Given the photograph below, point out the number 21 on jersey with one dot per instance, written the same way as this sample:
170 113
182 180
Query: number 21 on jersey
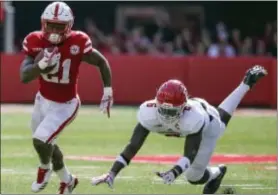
53 76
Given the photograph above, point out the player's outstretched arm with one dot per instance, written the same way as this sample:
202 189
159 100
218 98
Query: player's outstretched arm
191 146
137 140
94 57
97 59
170 176
29 70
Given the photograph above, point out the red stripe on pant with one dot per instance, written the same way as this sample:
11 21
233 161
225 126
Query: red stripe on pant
64 124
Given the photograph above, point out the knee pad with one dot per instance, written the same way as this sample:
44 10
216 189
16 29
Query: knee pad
197 176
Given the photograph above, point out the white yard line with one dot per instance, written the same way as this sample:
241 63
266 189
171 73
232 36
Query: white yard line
242 185
15 137
258 188
85 175
31 173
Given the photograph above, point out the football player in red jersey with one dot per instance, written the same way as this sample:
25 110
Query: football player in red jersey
53 55
173 113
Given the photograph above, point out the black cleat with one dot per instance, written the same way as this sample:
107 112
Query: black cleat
212 186
253 75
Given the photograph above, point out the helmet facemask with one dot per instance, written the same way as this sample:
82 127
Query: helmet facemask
169 113
55 31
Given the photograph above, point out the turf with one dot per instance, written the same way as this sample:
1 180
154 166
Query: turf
93 134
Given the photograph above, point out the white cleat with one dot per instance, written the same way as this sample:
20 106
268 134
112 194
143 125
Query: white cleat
67 188
43 177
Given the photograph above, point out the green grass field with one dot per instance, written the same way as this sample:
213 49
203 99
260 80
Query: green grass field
93 134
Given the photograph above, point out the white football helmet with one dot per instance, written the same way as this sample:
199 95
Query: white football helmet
57 21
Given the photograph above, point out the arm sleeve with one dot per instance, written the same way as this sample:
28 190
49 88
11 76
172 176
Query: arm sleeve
88 47
143 117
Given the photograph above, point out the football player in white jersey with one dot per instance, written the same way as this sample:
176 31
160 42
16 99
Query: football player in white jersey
173 113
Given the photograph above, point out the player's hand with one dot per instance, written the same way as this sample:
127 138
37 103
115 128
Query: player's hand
167 177
50 59
107 178
106 101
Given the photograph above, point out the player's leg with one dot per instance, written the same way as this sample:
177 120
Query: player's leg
199 149
58 163
229 105
44 172
54 122
62 171
44 152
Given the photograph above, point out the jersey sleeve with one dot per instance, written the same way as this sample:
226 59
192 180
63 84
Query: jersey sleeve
30 45
87 47
194 122
198 124
146 116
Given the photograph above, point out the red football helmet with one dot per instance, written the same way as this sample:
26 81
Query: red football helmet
57 21
171 99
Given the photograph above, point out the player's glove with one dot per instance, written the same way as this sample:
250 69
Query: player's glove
49 59
106 101
167 177
105 178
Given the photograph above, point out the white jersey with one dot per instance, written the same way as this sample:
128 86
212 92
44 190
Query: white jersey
197 115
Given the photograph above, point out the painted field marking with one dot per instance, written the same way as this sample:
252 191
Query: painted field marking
259 188
156 181
242 185
169 159
272 168
84 175
18 155
15 137
263 167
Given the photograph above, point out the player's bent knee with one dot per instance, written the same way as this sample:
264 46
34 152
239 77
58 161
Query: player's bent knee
41 135
224 116
37 142
197 176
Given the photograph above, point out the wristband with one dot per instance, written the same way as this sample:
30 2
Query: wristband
121 160
183 163
107 91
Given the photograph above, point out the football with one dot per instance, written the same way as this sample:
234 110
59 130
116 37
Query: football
40 56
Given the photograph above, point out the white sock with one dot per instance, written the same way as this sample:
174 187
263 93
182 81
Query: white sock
45 166
213 172
232 101
64 174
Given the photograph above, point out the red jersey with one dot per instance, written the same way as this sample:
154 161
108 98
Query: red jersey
60 85
2 12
